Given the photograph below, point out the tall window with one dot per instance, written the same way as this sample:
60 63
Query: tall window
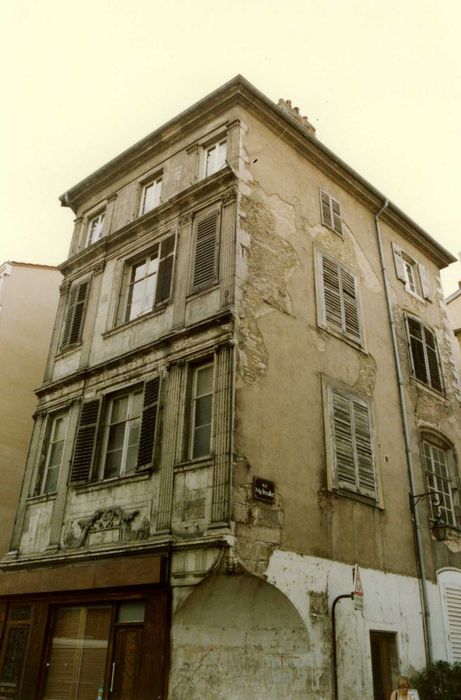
95 227
150 196
216 157
52 451
147 281
353 456
74 316
121 434
424 353
206 250
202 411
339 302
331 213
437 465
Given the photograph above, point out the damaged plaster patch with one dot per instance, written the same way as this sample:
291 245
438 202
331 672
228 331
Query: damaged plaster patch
367 375
270 260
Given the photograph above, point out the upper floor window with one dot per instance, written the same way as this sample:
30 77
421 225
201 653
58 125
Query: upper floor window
74 315
438 468
150 195
424 354
412 274
339 298
352 444
126 424
95 227
206 250
51 453
147 281
201 411
216 157
331 213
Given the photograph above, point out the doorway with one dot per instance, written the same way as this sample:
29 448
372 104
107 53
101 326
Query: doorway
383 663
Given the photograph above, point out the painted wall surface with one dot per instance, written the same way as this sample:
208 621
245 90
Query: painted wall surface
28 300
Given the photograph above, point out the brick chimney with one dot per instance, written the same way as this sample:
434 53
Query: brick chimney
293 112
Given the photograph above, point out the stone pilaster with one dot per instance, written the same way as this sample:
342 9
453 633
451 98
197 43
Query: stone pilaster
222 433
181 278
227 247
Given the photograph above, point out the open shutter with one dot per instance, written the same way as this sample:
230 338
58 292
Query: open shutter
205 251
343 442
327 219
350 303
73 321
398 262
165 270
433 360
69 317
363 449
86 441
425 284
148 423
331 293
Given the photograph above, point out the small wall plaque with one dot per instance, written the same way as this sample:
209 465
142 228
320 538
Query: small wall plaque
264 490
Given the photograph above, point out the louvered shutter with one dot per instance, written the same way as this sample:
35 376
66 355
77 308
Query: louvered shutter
73 322
337 221
453 603
343 442
415 332
205 251
363 449
69 317
85 443
331 293
425 284
433 360
327 219
165 270
398 262
350 305
149 423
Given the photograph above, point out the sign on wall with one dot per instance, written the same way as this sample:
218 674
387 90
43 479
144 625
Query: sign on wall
263 490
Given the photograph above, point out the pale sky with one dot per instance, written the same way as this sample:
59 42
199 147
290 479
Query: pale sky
82 81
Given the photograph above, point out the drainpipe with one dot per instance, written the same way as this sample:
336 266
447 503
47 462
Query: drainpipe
409 453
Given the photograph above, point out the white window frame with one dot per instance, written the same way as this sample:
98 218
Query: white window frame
440 484
414 275
193 401
217 164
130 393
339 329
94 235
156 180
48 443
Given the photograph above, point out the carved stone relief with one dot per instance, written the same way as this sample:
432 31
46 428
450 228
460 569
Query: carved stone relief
114 521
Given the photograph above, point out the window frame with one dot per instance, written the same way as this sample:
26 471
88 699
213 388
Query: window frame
99 228
45 453
192 399
74 315
403 261
105 429
436 482
340 330
215 144
145 184
330 213
428 365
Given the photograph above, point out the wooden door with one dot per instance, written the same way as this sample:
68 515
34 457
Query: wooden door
125 663
383 657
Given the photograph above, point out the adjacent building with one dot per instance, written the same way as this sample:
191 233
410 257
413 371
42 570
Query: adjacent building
28 300
454 312
250 391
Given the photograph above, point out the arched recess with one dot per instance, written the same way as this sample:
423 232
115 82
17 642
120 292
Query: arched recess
238 637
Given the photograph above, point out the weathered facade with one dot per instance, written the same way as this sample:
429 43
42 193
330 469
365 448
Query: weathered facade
251 370
454 313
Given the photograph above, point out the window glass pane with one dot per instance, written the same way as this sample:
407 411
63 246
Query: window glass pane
202 439
51 482
204 381
203 408
119 409
131 612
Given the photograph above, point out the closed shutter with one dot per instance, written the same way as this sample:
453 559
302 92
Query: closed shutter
433 360
149 423
165 269
326 209
73 321
363 449
331 213
86 441
337 221
343 442
331 293
425 284
340 299
205 251
350 303
415 332
398 262
453 602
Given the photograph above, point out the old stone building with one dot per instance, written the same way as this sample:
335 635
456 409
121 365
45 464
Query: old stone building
454 313
250 390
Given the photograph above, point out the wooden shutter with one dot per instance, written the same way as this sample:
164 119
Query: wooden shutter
86 441
340 299
350 304
425 284
453 603
165 269
148 423
398 262
331 293
415 333
73 321
343 442
433 360
205 251
363 449
327 219
337 221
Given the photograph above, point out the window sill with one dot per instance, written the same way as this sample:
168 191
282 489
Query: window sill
439 395
337 334
194 464
353 496
42 498
415 295
68 351
115 481
134 321
203 290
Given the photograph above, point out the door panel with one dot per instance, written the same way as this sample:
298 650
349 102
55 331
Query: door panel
125 662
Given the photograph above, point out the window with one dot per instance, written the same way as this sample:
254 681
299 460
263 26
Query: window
331 213
215 157
127 425
95 227
74 316
51 454
206 248
147 281
339 305
425 361
352 447
201 411
150 196
414 275
437 465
